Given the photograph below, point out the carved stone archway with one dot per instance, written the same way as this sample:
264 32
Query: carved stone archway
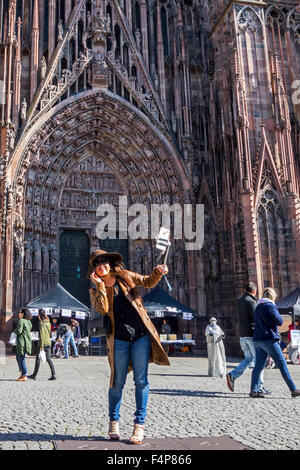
135 156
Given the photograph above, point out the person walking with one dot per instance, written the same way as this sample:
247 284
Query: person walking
246 308
23 341
133 341
165 330
64 331
54 327
44 344
266 342
75 327
215 349
165 327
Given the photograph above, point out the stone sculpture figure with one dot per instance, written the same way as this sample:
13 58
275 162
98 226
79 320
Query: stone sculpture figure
37 254
28 253
43 68
45 256
53 258
18 251
24 110
138 38
60 31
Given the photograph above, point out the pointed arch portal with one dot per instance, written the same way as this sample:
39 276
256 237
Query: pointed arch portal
88 150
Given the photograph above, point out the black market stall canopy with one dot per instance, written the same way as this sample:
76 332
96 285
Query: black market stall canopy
290 305
159 303
58 302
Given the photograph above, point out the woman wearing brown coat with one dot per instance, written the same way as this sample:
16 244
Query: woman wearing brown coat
134 341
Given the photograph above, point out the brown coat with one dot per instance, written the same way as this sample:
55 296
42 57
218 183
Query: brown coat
102 299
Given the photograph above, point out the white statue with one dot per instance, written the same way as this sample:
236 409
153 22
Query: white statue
60 31
215 349
24 110
43 68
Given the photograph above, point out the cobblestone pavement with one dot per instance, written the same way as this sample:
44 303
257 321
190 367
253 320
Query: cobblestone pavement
183 402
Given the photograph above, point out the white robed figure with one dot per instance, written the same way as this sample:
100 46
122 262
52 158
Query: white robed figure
215 349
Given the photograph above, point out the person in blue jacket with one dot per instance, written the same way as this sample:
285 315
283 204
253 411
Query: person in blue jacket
267 342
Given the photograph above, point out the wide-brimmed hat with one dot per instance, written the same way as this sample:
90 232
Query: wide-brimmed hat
104 254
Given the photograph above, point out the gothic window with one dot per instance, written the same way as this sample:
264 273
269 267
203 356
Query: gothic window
46 24
276 27
273 233
60 11
80 33
118 87
126 57
109 37
19 9
118 41
136 17
133 71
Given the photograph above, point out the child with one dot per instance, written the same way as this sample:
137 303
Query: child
58 348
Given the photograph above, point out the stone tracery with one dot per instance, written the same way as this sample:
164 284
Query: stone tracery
127 159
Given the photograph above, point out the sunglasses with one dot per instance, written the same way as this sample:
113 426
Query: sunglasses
100 261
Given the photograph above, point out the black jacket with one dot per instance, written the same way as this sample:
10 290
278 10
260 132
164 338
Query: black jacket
246 307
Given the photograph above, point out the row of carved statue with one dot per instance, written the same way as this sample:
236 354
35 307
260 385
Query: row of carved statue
32 253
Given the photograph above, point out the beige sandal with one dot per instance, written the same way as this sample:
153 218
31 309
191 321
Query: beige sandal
138 434
113 430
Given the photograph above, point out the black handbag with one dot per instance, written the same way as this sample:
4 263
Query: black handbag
100 326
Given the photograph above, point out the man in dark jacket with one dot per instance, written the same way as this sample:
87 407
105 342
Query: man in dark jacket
246 308
266 341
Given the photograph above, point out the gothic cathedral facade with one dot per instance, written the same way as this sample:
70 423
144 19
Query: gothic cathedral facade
162 101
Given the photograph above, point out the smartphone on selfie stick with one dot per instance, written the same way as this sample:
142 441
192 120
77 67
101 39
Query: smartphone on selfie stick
163 244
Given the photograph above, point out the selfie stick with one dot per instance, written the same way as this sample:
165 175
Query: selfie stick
163 244
165 261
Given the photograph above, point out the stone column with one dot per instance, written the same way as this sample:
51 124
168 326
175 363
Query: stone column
11 39
144 32
51 28
160 58
7 257
34 61
68 9
17 78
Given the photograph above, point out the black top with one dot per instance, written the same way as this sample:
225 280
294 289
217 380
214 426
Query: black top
165 329
246 307
128 324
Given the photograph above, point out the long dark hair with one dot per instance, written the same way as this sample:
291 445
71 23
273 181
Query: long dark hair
116 265
42 315
27 313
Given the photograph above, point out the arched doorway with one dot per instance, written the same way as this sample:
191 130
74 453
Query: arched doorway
92 150
74 249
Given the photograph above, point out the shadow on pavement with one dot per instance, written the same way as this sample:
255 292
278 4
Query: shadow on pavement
196 393
22 436
9 380
180 375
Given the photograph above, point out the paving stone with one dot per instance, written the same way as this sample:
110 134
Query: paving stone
183 403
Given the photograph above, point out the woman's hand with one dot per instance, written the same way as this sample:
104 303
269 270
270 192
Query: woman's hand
96 279
163 269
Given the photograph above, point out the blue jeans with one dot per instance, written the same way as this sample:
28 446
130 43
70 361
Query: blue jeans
271 348
21 360
249 353
69 338
138 352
